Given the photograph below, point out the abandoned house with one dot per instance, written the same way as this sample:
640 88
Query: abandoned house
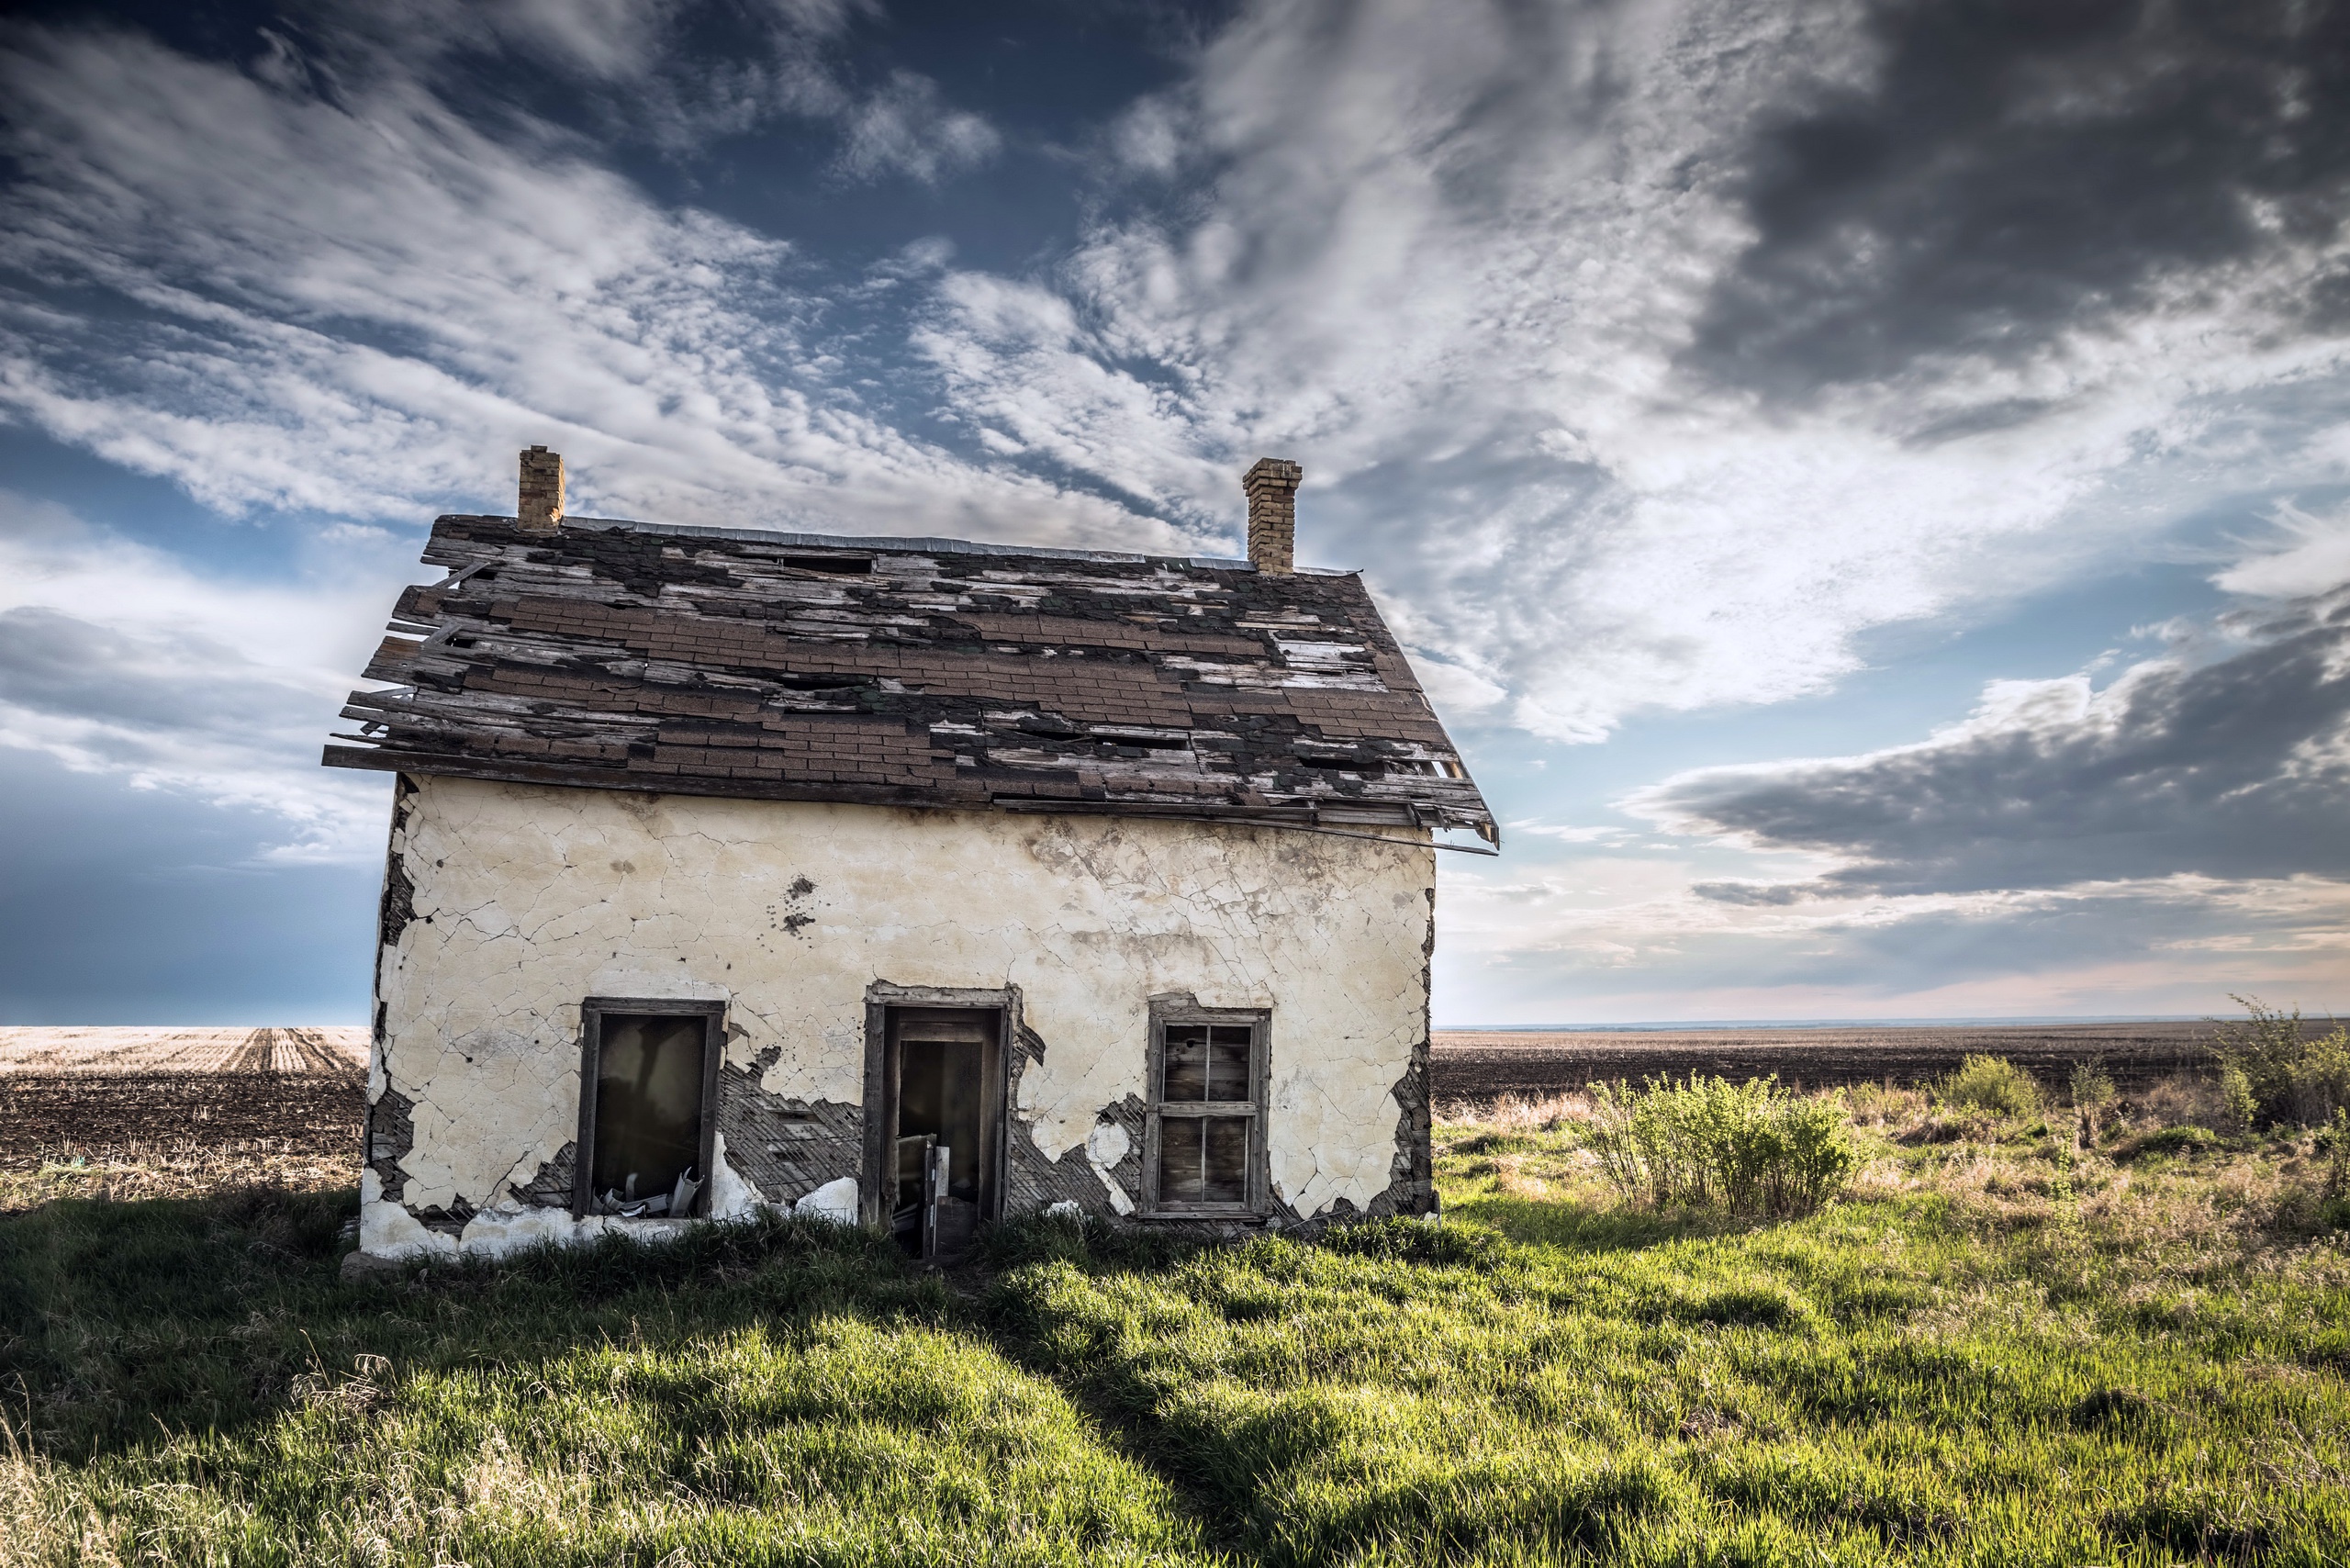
908 882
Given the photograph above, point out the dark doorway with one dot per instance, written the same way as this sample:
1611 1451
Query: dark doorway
646 1088
942 1078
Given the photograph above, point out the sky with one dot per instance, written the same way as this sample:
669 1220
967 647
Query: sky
1867 484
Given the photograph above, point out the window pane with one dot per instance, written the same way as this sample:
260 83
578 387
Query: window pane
1187 1062
1228 1062
648 1105
1179 1142
1202 1159
1224 1159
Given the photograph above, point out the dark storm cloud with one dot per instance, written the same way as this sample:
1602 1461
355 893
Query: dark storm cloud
2019 166
2234 768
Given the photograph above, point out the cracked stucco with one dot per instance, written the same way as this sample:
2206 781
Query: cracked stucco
528 899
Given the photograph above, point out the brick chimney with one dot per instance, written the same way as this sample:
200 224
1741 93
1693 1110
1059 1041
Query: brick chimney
540 506
1271 488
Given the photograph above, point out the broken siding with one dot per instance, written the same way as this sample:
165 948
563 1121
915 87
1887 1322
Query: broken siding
526 901
905 672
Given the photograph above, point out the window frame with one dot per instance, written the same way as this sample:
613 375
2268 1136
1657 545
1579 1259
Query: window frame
1259 1023
591 1050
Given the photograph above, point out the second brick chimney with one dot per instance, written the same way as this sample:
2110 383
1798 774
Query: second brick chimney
541 506
1271 488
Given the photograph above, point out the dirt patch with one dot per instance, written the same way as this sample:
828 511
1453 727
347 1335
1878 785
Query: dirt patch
1472 1066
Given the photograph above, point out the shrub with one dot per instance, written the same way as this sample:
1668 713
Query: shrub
2235 1093
1990 1083
2168 1140
2271 1072
2092 1087
2093 1091
1751 1147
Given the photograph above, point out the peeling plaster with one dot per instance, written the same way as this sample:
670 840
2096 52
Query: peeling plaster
731 1196
835 1201
1106 1146
525 899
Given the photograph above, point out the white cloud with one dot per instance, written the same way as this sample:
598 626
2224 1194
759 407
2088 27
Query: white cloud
364 306
1601 938
116 658
1453 258
2311 555
907 127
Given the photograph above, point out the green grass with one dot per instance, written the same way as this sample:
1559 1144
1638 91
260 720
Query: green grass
1999 1350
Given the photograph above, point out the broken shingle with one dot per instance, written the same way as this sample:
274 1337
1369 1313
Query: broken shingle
905 672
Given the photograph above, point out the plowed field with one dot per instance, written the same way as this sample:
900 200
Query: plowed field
1472 1066
105 1094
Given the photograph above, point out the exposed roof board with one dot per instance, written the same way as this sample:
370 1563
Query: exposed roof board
908 672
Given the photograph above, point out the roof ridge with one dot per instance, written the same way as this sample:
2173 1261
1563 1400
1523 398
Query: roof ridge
918 544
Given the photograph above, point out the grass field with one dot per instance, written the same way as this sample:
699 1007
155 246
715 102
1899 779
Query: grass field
1998 1349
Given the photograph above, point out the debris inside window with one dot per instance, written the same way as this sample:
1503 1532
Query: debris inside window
647 1136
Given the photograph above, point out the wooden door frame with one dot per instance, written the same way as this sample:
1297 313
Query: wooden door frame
881 1089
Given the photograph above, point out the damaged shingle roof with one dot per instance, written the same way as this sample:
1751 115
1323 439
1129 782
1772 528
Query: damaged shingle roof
908 672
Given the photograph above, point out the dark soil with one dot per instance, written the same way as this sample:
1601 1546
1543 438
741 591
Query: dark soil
44 1115
1484 1066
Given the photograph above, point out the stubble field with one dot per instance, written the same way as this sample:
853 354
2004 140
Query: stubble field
157 1113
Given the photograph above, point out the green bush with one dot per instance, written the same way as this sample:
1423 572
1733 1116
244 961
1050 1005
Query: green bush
2168 1140
2092 1087
2273 1072
1990 1083
1751 1147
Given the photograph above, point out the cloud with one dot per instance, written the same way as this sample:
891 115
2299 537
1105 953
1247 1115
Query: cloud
1454 260
2231 764
907 127
674 74
2005 174
1474 265
1609 938
116 660
2310 555
362 304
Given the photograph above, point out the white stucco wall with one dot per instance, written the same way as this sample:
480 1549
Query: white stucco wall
528 898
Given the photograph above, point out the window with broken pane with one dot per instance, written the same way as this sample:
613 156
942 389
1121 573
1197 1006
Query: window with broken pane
646 1133
1205 1138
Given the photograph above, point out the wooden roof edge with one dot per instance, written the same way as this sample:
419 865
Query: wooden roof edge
924 798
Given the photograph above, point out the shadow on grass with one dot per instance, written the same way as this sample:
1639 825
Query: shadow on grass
204 1314
120 1322
120 1318
1081 1306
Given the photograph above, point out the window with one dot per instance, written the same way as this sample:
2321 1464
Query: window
1203 1149
648 1091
